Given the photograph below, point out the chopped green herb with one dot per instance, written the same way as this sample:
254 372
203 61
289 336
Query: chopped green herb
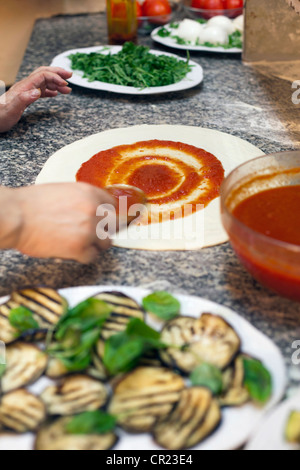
164 33
91 422
208 376
22 320
133 66
258 380
162 304
174 25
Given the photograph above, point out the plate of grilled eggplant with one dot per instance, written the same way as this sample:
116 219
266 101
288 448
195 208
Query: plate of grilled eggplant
97 368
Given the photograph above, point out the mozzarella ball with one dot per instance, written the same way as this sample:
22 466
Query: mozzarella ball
189 30
214 35
222 22
238 23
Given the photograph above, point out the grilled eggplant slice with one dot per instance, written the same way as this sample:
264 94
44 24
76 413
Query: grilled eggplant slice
206 339
97 369
124 309
233 378
25 363
53 436
143 396
76 394
21 412
151 359
195 416
46 305
56 369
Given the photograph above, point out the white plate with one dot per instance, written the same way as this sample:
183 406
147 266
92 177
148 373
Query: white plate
237 423
170 42
270 436
192 79
63 166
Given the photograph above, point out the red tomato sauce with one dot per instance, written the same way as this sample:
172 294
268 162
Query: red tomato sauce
274 213
163 178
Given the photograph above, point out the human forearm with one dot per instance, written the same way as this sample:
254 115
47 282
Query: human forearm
10 218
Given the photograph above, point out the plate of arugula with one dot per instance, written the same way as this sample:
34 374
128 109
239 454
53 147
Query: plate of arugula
129 69
95 368
179 35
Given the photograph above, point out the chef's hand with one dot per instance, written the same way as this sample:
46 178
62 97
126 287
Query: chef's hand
45 82
54 221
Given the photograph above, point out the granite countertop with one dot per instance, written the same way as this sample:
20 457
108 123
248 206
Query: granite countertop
233 99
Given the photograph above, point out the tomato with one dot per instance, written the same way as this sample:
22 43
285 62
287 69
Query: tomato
232 4
139 10
213 5
156 8
198 4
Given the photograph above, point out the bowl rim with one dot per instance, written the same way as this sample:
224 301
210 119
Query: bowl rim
202 10
269 240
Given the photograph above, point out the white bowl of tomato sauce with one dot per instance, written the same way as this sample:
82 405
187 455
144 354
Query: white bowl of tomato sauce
260 205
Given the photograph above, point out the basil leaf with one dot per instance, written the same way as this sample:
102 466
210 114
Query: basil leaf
22 319
139 328
162 304
122 353
91 422
78 332
258 380
208 376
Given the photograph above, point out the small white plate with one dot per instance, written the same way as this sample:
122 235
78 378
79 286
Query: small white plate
237 423
193 78
270 436
170 42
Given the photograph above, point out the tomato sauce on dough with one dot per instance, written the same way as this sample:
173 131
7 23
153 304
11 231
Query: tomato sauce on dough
168 172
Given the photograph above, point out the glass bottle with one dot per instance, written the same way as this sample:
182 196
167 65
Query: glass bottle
121 21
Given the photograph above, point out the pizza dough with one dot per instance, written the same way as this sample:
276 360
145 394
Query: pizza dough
201 229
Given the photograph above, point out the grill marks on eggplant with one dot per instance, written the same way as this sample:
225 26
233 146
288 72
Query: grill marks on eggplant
46 305
21 411
25 363
53 436
124 309
194 417
235 393
206 339
144 396
75 395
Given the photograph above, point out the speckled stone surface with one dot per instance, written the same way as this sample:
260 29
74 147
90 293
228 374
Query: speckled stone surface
233 99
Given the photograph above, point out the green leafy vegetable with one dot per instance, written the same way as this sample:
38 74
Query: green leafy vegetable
163 33
133 66
162 304
91 422
78 332
22 319
123 351
208 376
258 380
